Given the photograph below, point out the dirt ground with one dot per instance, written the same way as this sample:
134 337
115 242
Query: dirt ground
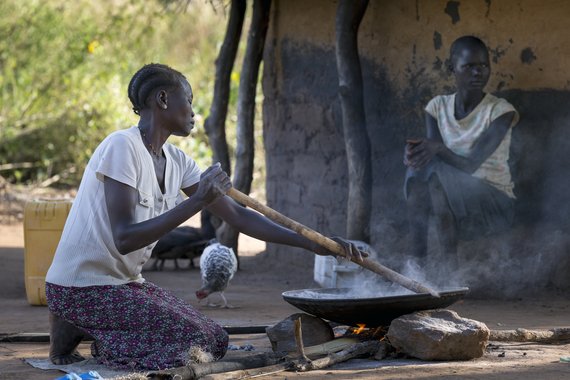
256 291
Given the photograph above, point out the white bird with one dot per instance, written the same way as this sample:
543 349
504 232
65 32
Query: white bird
218 264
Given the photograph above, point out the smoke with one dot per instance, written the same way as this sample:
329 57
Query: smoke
521 262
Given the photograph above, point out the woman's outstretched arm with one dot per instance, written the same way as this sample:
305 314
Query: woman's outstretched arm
258 226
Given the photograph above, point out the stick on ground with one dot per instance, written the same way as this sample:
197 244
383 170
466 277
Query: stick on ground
552 336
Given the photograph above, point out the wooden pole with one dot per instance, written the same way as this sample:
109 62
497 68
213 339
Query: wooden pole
329 244
349 15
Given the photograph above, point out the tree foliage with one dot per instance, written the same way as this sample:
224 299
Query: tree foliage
64 70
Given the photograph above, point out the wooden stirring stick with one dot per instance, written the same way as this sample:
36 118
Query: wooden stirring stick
329 244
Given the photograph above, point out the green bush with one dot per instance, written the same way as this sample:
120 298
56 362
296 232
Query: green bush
65 66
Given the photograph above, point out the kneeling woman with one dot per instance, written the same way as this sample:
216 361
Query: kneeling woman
127 200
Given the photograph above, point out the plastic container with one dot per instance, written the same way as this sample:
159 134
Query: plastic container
329 273
43 225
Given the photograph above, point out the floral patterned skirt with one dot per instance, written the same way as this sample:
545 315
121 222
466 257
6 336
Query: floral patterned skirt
137 326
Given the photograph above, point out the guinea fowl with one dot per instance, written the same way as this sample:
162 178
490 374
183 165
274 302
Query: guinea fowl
218 264
184 243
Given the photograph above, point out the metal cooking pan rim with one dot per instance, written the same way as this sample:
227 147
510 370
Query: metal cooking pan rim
293 294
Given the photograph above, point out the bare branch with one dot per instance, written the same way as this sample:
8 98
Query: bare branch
215 124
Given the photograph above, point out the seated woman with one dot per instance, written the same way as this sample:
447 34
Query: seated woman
126 201
459 172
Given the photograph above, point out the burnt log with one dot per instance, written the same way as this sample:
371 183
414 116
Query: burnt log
357 142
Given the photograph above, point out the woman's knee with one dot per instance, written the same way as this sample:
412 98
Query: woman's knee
417 195
438 195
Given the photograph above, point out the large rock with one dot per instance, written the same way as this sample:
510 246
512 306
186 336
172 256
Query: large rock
438 335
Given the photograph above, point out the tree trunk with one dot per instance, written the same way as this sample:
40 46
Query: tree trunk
243 173
246 98
357 142
215 123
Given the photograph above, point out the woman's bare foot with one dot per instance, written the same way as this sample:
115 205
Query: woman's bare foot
64 339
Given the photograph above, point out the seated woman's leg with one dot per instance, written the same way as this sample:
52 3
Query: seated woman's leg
444 219
418 208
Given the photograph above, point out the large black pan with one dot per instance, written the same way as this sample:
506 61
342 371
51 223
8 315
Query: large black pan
338 305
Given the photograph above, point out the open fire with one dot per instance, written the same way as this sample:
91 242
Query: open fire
364 333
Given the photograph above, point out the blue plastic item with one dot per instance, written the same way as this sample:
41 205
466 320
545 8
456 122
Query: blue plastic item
91 375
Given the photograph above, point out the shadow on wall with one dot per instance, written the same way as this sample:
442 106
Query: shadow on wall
307 171
540 156
533 255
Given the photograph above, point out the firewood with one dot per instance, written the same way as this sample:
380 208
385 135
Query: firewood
299 340
552 336
268 363
330 347
302 365
250 373
198 370
365 348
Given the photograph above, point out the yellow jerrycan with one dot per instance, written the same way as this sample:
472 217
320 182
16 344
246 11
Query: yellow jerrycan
43 225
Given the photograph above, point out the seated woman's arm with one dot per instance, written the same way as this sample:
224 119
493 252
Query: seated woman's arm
420 152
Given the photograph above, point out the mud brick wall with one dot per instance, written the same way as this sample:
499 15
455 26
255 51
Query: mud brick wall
404 49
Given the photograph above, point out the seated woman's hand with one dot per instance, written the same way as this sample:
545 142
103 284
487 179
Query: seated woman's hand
410 144
351 252
418 153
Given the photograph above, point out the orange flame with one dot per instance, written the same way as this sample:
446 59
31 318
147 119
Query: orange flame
361 327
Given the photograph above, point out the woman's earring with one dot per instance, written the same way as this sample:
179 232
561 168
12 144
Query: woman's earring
164 106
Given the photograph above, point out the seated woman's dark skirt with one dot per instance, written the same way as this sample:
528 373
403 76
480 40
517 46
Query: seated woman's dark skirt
479 208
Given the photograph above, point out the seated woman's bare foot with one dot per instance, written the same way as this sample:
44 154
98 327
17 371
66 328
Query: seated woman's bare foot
64 339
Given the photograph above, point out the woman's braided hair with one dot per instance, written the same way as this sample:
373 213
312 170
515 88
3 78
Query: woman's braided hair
149 78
